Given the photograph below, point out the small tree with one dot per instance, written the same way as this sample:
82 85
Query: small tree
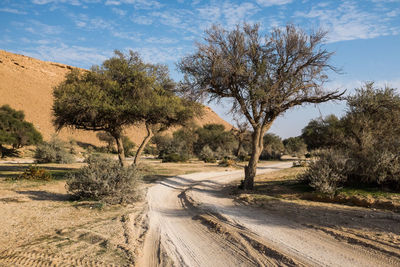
165 109
372 127
216 137
295 146
262 77
273 147
323 133
108 139
15 131
242 135
108 98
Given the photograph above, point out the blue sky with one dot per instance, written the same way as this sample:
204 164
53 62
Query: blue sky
364 34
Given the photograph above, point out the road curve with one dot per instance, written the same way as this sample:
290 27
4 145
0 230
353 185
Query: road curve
191 223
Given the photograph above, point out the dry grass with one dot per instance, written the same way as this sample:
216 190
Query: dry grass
284 186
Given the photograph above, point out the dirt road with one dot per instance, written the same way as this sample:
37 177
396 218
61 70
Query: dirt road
192 222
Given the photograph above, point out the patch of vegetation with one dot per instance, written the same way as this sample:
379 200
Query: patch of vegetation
53 151
285 185
365 150
106 180
35 173
15 131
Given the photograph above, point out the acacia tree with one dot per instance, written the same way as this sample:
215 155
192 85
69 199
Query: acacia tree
108 98
241 133
165 108
263 76
15 131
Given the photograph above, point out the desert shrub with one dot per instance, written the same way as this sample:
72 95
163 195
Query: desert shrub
35 173
327 172
53 152
226 162
216 137
300 163
106 180
108 139
175 157
151 149
128 146
372 127
273 147
207 155
295 146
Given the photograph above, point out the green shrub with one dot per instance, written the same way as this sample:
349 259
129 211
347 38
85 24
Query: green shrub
53 152
35 173
207 155
327 172
104 179
128 146
175 157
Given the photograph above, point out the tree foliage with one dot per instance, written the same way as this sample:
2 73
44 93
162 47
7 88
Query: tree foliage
273 147
368 150
295 146
323 133
372 126
263 77
15 131
108 98
215 137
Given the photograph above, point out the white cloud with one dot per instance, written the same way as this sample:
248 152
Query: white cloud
138 4
119 11
83 21
160 54
133 36
273 2
38 28
13 11
44 2
72 55
348 22
143 20
162 40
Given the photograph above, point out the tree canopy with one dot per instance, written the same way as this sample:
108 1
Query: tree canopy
323 132
123 91
263 77
15 131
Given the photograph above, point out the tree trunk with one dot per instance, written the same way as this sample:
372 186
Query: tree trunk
1 151
120 149
257 147
239 147
143 144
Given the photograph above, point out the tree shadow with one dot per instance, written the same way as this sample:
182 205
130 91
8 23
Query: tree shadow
45 195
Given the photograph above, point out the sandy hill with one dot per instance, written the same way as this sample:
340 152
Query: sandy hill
26 84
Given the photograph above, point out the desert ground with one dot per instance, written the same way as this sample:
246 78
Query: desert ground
188 218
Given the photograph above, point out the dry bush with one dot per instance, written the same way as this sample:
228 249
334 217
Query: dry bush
53 152
327 172
106 180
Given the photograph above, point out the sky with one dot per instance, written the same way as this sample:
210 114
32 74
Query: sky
365 36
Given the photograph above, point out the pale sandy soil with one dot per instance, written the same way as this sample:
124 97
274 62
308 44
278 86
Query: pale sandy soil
194 222
39 226
191 219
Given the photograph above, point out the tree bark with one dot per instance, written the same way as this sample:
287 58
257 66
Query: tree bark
257 141
239 147
1 151
143 144
120 149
